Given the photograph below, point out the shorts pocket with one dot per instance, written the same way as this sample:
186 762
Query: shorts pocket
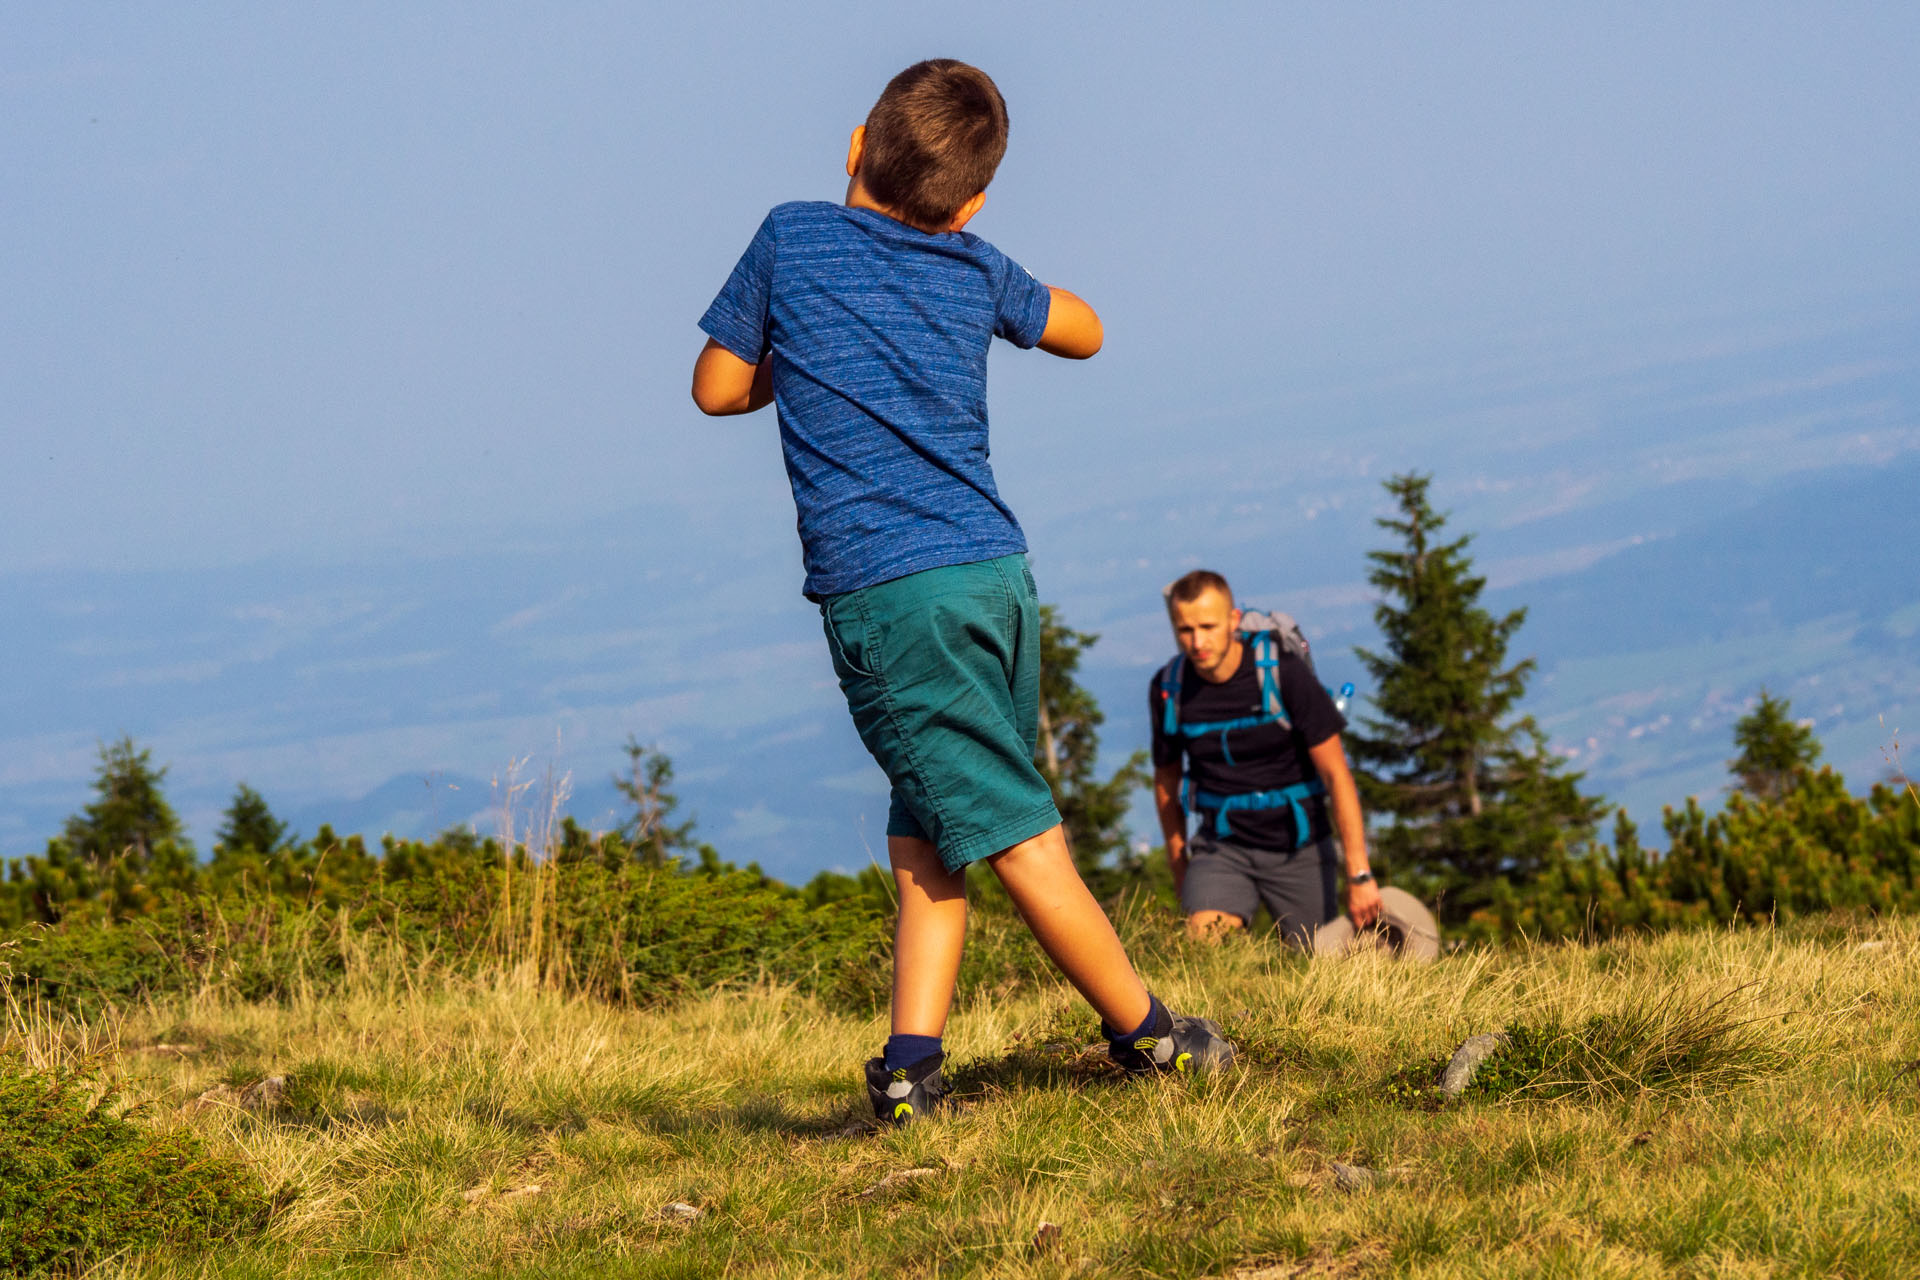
847 638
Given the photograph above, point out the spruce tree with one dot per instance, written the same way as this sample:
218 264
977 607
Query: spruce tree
1775 752
249 825
129 817
1068 746
1473 794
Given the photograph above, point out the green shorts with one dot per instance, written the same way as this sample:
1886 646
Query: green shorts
942 673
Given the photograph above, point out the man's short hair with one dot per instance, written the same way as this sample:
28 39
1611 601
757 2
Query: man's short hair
934 139
1189 587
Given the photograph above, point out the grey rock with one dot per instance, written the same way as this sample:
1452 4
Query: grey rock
1466 1060
263 1095
896 1179
681 1211
1352 1177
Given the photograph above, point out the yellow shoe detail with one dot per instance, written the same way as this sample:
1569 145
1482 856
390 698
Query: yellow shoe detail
903 1111
1183 1062
1145 1044
899 1073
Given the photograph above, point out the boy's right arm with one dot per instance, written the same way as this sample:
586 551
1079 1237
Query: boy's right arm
1073 328
724 384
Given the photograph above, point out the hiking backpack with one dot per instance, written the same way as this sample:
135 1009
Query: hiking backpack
1267 636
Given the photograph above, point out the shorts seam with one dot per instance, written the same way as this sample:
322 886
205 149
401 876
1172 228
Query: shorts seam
907 747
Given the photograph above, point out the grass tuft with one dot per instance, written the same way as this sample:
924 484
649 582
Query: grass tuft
1662 1044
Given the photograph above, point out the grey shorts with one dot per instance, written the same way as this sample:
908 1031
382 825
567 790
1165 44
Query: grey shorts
1300 889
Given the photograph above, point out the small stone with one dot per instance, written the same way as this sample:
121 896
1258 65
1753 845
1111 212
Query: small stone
897 1178
1352 1177
174 1050
1046 1237
1466 1060
1874 945
681 1211
531 1189
263 1095
218 1096
473 1195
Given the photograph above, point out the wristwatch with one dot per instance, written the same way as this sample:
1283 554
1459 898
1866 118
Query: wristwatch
1364 877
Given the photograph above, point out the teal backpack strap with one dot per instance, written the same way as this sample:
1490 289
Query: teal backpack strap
1291 798
1266 661
1169 680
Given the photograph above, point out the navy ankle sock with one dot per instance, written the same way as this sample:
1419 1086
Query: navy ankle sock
907 1051
1155 1011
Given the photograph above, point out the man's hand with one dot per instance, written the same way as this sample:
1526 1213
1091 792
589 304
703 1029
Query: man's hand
1363 903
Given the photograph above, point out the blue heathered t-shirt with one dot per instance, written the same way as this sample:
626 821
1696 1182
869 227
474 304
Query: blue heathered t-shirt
879 334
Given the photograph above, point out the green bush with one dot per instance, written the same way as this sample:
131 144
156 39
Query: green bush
628 933
79 1182
1814 848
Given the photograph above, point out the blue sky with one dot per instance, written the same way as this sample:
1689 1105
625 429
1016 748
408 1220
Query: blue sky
399 287
285 282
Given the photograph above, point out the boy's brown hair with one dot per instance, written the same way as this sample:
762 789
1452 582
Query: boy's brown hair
934 139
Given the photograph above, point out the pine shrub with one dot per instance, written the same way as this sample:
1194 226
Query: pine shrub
79 1181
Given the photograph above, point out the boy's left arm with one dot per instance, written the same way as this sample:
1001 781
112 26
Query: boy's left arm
725 384
1073 328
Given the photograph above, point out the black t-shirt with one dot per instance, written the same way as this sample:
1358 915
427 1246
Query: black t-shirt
1262 757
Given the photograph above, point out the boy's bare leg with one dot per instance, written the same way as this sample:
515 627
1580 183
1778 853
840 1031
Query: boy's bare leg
928 938
1070 926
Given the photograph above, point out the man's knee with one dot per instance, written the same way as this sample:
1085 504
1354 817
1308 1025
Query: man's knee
1211 926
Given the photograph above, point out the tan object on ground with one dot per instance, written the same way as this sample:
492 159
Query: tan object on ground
1405 927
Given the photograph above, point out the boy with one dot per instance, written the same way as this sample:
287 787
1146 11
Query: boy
867 325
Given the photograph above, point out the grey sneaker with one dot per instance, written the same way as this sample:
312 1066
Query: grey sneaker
905 1092
1179 1044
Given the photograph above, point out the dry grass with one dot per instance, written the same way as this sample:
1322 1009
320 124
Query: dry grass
504 1129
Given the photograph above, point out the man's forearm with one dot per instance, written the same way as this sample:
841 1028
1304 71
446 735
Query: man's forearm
1343 798
1352 826
1173 819
1173 828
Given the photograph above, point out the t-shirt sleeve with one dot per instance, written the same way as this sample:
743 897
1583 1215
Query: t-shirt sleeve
1308 703
1166 750
1020 314
737 320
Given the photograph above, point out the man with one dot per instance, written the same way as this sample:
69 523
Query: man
1264 771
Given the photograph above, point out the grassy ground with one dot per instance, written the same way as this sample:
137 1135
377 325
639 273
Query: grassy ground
1730 1104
